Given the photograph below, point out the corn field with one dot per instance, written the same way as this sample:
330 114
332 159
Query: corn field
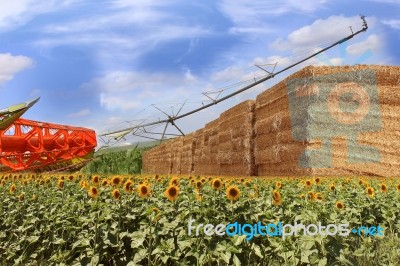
78 219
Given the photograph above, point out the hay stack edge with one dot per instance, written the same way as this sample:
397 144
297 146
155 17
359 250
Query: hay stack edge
320 121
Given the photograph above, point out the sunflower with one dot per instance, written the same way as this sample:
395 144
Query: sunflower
198 184
199 196
217 184
384 188
95 179
256 193
116 181
104 182
311 195
128 186
318 180
302 196
60 184
308 183
116 194
174 181
71 178
232 193
276 197
332 187
172 192
84 184
278 184
339 205
144 190
318 196
370 191
21 197
93 192
398 187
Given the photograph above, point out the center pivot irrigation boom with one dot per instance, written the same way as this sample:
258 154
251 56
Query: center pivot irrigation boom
140 129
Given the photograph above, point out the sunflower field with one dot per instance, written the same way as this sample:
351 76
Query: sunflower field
78 219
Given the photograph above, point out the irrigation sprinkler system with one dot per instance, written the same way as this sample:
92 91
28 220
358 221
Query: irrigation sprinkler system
145 130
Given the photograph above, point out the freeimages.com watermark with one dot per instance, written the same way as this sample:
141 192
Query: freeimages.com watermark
281 230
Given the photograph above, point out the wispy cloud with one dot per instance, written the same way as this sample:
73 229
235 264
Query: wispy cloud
249 16
17 13
11 65
81 113
122 30
393 23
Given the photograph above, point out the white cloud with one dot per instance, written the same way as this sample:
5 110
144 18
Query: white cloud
128 90
81 113
17 13
11 65
373 43
111 102
122 31
248 16
321 31
393 23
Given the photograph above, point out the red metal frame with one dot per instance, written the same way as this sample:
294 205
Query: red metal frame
28 145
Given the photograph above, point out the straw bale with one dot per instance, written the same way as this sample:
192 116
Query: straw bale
236 169
280 153
242 108
271 95
264 141
244 131
224 136
278 122
236 121
279 169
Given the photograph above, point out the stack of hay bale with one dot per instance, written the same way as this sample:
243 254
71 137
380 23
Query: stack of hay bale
187 162
175 146
364 145
319 121
235 140
276 152
157 160
207 163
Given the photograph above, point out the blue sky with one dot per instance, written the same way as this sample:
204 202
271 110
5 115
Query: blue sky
102 64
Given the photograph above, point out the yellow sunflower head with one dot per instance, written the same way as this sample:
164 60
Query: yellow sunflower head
278 184
217 184
339 205
71 177
104 182
21 197
318 196
398 187
174 181
116 194
370 191
311 195
172 193
332 187
93 192
128 186
144 190
384 188
308 183
116 181
95 179
60 183
233 193
317 180
199 184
